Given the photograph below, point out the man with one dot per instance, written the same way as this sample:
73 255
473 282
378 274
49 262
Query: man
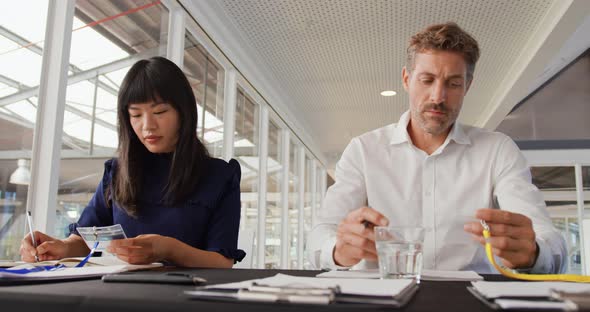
431 171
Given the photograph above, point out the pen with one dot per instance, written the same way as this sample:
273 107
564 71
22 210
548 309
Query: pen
29 220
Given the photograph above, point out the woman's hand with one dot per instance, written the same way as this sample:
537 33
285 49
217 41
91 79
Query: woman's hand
48 248
143 249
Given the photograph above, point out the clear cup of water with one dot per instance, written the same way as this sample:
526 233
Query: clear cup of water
399 250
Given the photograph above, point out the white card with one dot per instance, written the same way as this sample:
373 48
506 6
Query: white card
101 234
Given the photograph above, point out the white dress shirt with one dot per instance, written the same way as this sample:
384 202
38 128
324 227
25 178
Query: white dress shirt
442 191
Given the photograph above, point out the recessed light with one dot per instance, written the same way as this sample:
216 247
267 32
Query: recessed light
388 93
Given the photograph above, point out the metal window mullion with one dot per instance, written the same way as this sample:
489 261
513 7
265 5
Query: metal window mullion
47 138
300 205
580 204
93 119
204 104
262 160
285 243
230 89
176 31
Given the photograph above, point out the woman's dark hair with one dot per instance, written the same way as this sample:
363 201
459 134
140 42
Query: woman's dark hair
160 80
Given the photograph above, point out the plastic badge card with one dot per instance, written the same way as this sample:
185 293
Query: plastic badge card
101 234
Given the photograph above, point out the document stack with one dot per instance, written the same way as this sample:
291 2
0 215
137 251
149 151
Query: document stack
532 295
312 290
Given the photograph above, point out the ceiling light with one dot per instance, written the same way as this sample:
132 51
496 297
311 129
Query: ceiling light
388 93
22 174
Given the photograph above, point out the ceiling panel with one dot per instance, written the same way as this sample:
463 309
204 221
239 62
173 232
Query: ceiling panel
330 59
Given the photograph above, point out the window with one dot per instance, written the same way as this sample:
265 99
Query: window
246 152
206 78
108 37
22 31
273 198
558 185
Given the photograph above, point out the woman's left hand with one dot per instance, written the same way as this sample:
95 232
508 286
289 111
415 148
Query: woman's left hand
143 249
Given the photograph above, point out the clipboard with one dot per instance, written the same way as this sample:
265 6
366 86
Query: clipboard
302 294
177 278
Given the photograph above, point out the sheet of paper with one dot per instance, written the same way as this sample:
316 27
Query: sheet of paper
493 290
510 304
427 275
356 286
83 271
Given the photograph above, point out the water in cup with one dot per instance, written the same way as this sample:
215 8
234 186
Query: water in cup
399 259
399 250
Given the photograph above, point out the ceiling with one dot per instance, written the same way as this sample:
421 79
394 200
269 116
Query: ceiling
322 63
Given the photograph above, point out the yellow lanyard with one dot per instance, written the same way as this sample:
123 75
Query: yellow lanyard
527 277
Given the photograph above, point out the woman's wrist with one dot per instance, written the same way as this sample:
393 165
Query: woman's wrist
75 246
167 248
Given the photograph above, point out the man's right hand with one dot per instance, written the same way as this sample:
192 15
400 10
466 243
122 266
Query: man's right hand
354 240
48 248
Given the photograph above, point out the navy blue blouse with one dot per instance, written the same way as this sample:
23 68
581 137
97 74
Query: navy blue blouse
209 219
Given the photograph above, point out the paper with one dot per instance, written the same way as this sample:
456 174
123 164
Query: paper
427 275
492 290
97 270
508 304
73 261
101 234
351 286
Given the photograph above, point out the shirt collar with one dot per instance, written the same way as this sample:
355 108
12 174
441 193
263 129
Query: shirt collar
400 132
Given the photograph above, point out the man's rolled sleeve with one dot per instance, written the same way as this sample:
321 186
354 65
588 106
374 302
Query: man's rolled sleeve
347 194
550 257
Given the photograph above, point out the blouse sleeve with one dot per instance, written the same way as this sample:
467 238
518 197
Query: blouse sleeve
97 213
222 232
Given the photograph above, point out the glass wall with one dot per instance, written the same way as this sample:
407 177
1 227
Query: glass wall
247 125
22 31
206 78
273 197
107 38
558 185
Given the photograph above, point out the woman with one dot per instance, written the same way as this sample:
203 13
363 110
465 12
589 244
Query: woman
179 205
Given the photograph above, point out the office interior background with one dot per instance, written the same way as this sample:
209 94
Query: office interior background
281 86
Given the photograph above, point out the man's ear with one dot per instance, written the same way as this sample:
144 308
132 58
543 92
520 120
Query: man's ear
405 78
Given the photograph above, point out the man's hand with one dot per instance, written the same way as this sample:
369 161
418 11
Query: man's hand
513 238
354 240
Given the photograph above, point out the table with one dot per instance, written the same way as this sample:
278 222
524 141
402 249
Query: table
95 295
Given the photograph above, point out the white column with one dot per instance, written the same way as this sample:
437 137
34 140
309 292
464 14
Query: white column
262 156
313 189
581 229
323 184
229 113
285 243
300 205
47 138
176 31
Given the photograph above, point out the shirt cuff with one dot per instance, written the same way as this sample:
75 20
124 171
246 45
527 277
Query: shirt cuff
544 263
327 258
